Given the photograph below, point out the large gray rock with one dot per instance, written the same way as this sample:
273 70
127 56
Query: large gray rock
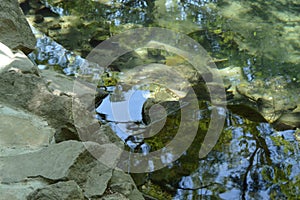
15 61
19 190
21 131
63 161
58 82
124 184
61 190
24 173
69 160
30 92
23 87
52 162
97 180
14 29
49 94
114 196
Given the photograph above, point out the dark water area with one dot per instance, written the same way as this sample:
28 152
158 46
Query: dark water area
251 159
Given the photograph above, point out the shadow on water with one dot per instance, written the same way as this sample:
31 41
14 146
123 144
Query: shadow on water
251 160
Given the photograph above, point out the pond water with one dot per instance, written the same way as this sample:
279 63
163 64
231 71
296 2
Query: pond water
251 159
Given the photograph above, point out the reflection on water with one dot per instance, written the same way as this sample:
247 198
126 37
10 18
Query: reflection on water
250 166
50 54
125 107
123 111
263 35
251 160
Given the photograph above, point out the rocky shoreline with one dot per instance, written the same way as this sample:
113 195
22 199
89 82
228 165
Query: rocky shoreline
41 153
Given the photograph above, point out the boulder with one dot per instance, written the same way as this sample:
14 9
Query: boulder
15 31
51 163
57 163
46 94
124 184
22 131
22 86
61 190
15 61
22 174
97 181
58 82
31 93
19 190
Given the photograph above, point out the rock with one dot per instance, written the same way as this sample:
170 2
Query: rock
62 28
22 131
289 120
6 56
23 173
69 160
19 190
115 196
61 190
273 52
14 29
232 76
30 92
59 156
17 62
97 180
22 86
161 80
271 100
123 183
32 165
135 194
272 97
58 81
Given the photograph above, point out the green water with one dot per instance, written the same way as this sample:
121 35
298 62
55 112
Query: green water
251 159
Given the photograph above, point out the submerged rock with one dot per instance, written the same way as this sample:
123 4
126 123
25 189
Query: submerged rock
288 120
161 80
271 100
273 97
258 35
67 29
